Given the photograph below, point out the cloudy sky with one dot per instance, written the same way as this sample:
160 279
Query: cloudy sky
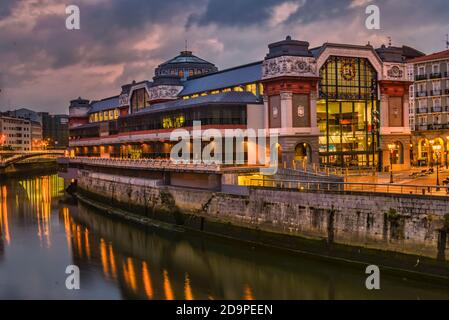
43 65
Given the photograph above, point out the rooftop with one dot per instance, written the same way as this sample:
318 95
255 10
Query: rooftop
185 57
223 79
226 98
105 104
430 57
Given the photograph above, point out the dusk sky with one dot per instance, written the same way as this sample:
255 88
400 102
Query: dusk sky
43 65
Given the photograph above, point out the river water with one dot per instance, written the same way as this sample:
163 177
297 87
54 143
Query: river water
41 234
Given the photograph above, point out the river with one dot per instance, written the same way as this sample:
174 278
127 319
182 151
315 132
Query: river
41 234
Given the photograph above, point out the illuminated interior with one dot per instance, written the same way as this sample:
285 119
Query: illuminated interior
347 113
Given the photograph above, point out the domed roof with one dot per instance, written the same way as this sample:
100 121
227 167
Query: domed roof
186 57
183 66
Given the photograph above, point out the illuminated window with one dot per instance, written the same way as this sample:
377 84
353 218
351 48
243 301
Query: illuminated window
179 121
215 92
116 114
96 117
238 89
167 123
204 94
251 88
195 96
100 116
181 74
261 89
111 114
226 90
190 73
186 98
105 116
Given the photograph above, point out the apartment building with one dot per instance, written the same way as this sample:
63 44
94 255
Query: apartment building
15 134
429 108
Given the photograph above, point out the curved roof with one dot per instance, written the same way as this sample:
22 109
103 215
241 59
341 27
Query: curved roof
105 104
225 98
223 79
186 57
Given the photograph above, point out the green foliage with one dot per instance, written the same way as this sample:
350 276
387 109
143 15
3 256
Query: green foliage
392 215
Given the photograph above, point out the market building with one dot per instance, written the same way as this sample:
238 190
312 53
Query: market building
334 105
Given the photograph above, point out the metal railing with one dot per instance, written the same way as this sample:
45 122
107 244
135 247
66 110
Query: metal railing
145 164
318 186
19 156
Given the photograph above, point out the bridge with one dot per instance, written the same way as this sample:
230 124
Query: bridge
8 158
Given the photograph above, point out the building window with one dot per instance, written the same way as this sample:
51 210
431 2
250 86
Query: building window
436 85
167 123
437 105
421 70
252 88
347 113
435 68
139 100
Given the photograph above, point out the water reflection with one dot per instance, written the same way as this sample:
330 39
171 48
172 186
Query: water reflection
40 235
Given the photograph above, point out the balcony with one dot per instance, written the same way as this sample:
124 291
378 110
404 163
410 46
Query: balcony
436 75
435 92
437 109
421 94
421 77
421 127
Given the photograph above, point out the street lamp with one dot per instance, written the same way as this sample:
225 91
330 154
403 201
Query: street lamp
391 147
437 149
447 158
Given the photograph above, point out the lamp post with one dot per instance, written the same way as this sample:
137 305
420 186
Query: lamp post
437 149
391 147
447 158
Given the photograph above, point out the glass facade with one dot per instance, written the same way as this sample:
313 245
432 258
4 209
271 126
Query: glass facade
347 113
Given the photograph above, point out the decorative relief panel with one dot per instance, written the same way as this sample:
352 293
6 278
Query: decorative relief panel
164 92
289 66
395 72
123 100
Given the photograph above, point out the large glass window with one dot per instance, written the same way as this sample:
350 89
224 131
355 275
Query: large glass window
347 113
139 100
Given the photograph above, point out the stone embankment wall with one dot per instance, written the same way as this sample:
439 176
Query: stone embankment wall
415 225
